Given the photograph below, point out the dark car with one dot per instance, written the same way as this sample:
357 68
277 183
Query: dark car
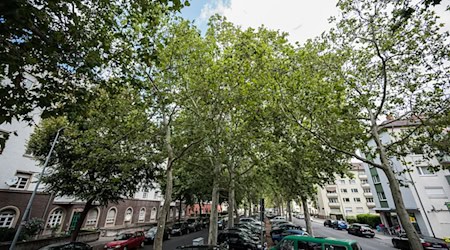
179 228
68 245
339 225
194 225
200 247
428 243
235 240
361 230
278 234
248 227
328 223
151 234
247 232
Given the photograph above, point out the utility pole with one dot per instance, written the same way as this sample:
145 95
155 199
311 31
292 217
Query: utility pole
30 202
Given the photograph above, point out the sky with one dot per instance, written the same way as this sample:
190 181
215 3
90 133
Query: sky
302 19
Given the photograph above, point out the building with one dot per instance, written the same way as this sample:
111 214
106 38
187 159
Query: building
426 194
346 197
19 173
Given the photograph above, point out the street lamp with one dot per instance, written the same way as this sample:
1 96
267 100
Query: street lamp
30 202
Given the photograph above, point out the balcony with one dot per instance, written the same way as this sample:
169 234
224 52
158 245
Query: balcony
370 204
334 204
365 185
368 195
444 160
362 177
332 195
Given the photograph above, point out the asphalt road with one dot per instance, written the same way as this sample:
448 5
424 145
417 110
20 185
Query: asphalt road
182 240
366 243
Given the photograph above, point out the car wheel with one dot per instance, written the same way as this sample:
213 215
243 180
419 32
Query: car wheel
142 245
224 245
125 248
394 243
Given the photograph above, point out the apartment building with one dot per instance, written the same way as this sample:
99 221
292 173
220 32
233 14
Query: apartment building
18 176
346 197
426 194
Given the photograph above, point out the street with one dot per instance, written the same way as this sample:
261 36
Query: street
182 240
377 243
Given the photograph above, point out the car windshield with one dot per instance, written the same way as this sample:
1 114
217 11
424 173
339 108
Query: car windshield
176 225
152 230
124 236
191 220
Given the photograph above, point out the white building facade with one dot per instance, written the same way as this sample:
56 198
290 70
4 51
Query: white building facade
346 197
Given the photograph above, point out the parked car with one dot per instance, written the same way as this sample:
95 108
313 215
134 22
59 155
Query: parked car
251 220
126 241
194 224
309 242
428 243
328 223
286 226
339 225
222 224
235 240
276 223
67 245
245 231
249 226
361 230
278 218
151 234
179 228
200 247
278 234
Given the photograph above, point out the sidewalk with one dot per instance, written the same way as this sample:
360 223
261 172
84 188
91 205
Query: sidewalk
100 243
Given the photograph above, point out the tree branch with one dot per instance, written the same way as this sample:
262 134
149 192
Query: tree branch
184 150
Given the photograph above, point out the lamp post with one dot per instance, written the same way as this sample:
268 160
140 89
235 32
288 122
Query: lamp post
30 202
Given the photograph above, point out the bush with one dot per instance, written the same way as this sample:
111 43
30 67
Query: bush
370 219
351 219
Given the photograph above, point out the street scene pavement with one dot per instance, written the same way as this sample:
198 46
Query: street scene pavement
379 242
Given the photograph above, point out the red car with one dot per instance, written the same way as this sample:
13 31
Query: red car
127 241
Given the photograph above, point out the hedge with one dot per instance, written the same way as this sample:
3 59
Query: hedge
372 220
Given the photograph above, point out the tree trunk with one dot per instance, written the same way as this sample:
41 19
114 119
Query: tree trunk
231 200
212 234
200 207
76 231
282 208
179 211
307 216
245 210
289 211
236 212
400 208
157 245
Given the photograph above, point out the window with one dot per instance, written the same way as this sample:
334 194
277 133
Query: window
424 171
55 218
381 196
342 181
145 195
334 247
357 199
153 214
111 216
22 180
7 218
346 199
128 214
366 190
369 199
343 190
141 215
364 181
359 210
354 190
435 192
348 210
333 200
155 196
331 191
376 179
91 218
352 181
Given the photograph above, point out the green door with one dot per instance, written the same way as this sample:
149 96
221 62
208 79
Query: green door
75 219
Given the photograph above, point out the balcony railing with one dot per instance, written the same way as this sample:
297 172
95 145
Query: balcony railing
365 185
362 177
334 204
332 195
368 195
370 204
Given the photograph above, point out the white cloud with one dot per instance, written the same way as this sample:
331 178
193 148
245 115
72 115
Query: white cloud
302 19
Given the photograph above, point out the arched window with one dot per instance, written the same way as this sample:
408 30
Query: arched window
111 217
128 215
7 218
153 214
55 218
91 218
142 215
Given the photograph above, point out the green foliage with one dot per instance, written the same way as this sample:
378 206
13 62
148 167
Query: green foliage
51 51
370 219
33 226
351 219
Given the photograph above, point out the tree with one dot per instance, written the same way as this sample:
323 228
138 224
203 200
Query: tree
107 153
51 53
384 69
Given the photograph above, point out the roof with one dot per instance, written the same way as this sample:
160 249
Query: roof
320 239
400 123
